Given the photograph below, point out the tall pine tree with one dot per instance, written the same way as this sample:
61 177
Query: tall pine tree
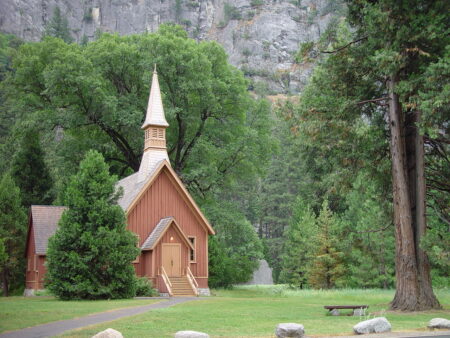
58 26
90 255
12 235
299 246
327 267
30 171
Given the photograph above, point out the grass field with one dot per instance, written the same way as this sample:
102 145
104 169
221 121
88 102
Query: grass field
255 311
21 312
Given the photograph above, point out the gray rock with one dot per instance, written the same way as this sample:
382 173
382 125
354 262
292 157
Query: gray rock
439 323
359 312
108 333
375 325
191 334
334 312
204 292
264 40
289 330
262 276
28 292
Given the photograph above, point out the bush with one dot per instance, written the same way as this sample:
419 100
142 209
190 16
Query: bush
144 288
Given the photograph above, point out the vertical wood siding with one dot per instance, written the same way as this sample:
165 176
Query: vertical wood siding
162 199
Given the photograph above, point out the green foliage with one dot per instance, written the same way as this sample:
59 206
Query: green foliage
327 267
144 288
90 255
3 255
300 246
30 171
231 12
221 271
12 235
256 3
367 236
237 237
302 54
58 26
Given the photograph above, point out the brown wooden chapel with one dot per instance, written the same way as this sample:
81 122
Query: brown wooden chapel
172 231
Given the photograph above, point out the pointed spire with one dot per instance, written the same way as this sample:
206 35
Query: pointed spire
155 111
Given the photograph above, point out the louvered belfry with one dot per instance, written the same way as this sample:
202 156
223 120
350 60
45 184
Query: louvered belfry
172 231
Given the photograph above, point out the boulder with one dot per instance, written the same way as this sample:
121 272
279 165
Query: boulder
191 334
376 325
334 312
439 323
289 330
108 333
359 312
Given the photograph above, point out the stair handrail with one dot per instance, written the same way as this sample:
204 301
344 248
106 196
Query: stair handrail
192 281
166 281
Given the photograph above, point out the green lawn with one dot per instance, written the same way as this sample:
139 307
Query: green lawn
21 312
255 311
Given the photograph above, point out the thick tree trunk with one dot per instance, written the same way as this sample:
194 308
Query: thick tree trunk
416 171
407 285
413 283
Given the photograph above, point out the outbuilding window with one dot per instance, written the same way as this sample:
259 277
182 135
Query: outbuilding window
192 253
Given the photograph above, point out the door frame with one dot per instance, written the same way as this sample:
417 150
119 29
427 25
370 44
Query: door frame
179 258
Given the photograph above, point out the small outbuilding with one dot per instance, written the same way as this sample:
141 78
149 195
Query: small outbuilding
172 231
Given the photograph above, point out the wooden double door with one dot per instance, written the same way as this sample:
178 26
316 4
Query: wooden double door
171 259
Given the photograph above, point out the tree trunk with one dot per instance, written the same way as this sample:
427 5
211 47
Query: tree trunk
407 285
416 171
413 282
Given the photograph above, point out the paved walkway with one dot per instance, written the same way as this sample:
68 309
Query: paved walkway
419 334
55 328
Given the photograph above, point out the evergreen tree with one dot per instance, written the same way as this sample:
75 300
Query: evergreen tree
327 267
90 255
12 235
367 236
30 171
299 246
58 26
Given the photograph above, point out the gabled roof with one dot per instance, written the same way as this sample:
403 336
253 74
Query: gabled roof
135 190
155 111
45 220
160 229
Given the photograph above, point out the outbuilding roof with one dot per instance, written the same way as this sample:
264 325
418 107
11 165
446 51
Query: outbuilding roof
45 220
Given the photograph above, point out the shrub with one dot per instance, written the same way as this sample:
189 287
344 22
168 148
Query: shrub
144 288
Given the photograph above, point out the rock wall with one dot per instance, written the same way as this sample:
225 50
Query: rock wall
260 36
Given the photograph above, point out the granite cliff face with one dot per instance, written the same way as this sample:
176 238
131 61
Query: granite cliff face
260 36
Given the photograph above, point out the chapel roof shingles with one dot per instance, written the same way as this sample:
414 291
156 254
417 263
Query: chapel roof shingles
45 222
156 233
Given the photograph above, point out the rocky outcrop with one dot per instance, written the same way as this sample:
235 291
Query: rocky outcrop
260 36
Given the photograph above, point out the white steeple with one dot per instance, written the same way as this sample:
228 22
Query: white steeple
155 125
155 111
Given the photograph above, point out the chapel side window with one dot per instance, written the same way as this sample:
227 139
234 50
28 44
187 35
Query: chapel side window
192 253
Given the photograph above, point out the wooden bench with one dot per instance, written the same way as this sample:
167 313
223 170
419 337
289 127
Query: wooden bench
358 310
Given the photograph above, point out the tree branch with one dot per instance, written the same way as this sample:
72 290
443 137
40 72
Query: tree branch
343 47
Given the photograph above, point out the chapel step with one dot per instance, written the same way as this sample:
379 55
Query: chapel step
181 287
